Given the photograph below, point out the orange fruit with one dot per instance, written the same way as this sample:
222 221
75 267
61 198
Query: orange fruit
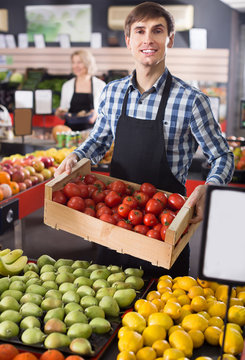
52 354
4 177
74 357
25 356
8 352
14 187
1 195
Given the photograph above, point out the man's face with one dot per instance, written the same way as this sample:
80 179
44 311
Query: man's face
149 40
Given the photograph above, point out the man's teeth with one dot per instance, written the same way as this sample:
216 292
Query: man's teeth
148 51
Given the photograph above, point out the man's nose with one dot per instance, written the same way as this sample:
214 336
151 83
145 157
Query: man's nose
147 37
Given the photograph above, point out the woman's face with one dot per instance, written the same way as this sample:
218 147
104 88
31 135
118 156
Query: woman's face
78 67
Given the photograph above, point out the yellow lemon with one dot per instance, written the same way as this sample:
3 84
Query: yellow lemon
221 293
233 341
203 358
160 346
126 355
152 333
182 341
131 341
159 303
153 295
215 321
138 303
212 334
217 308
178 292
173 299
172 309
167 295
175 280
187 307
174 328
203 283
240 289
236 314
186 282
184 313
172 354
175 286
163 277
183 300
198 303
210 299
162 284
235 301
233 326
134 321
241 296
146 353
205 314
208 291
197 338
147 308
227 357
160 319
194 322
195 290
122 331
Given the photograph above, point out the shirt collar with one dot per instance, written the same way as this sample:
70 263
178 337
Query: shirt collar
157 86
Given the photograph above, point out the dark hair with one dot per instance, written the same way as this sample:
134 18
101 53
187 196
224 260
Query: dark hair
148 10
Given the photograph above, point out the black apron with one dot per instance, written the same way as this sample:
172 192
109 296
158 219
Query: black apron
140 156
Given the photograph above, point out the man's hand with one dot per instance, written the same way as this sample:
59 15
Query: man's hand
67 164
197 198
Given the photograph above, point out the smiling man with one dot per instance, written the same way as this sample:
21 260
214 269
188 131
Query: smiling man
157 121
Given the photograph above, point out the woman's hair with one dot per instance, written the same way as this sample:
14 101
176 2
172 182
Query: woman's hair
88 59
148 10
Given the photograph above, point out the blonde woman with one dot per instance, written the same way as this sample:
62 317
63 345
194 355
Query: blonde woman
80 95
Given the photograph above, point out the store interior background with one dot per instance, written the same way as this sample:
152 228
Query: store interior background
225 30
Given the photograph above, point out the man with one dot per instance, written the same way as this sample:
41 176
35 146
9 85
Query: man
157 122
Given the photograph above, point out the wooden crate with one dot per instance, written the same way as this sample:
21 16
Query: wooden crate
160 253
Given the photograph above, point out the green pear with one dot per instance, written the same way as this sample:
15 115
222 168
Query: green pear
51 303
18 285
11 315
80 264
136 282
70 296
4 284
114 269
36 289
32 336
48 276
8 329
57 313
94 312
32 281
14 293
85 290
47 268
67 286
82 272
120 276
96 267
100 283
44 260
54 325
79 330
72 306
81 346
83 280
30 309
31 267
9 303
76 316
100 325
54 293
110 306
124 297
65 277
100 274
31 274
134 272
121 285
30 322
65 268
88 300
31 298
62 262
17 278
56 340
50 285
105 292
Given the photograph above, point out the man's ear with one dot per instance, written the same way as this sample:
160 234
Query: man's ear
171 41
127 41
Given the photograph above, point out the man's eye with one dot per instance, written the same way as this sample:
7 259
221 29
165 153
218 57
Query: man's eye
158 31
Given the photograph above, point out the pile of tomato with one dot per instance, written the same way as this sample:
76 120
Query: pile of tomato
146 211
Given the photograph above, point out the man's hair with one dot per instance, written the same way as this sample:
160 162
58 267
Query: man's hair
88 59
148 10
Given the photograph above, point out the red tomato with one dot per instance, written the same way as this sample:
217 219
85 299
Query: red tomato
99 205
130 201
150 219
119 186
89 203
112 199
135 217
71 189
114 209
129 190
89 211
98 196
76 203
176 201
123 210
155 234
157 227
153 206
117 217
166 217
148 188
89 179
103 210
108 218
59 197
141 198
83 189
106 191
91 189
141 229
163 231
161 196
99 184
124 224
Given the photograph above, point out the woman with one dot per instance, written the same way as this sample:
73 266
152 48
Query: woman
80 95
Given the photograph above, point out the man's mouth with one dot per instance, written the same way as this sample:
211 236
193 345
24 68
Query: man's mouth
148 51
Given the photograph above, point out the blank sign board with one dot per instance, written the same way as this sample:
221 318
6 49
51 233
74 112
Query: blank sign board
222 256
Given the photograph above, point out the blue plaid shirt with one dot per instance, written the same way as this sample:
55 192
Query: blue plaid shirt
188 122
